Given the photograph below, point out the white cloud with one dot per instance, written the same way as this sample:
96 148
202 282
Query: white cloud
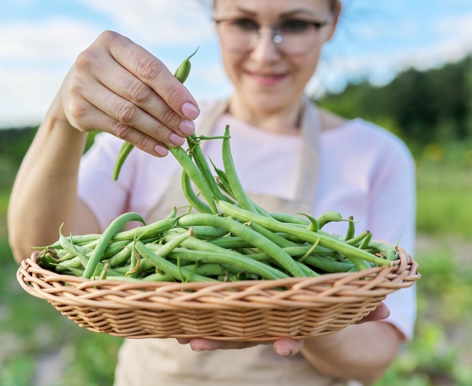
36 55
161 22
54 39
26 95
33 61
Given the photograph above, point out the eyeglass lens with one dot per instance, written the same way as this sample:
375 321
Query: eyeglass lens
293 37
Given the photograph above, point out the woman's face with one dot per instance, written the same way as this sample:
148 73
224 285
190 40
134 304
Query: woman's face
269 76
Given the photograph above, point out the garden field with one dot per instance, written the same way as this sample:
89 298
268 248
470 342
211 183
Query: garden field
39 347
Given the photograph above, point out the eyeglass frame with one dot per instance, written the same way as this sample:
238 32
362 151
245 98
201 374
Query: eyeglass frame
275 28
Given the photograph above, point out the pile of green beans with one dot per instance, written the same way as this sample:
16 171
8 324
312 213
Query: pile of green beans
230 238
235 244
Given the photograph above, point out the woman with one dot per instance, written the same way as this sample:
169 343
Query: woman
313 160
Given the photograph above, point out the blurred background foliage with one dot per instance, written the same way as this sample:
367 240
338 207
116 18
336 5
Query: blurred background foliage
432 112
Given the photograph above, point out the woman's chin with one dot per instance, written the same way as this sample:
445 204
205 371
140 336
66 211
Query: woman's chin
267 102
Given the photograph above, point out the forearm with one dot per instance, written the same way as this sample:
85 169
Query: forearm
44 194
360 352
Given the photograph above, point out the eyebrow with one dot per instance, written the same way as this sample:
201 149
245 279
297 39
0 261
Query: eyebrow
282 15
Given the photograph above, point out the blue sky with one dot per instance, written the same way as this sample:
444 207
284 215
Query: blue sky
40 39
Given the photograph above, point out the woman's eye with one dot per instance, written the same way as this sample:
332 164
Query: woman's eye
294 26
245 24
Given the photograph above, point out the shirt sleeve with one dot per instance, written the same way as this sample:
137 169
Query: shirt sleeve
393 217
106 198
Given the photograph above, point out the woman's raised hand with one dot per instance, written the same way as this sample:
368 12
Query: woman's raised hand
118 87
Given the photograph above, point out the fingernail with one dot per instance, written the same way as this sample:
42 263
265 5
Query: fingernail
283 352
187 127
190 111
161 151
176 140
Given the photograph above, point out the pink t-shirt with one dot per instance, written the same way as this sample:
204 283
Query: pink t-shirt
365 171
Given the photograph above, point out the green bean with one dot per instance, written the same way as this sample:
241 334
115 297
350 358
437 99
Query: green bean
77 240
105 238
229 242
124 278
195 244
358 239
388 250
329 216
172 214
120 160
295 252
288 218
191 169
245 264
151 230
166 266
210 269
104 272
181 74
123 255
174 242
351 229
303 234
69 247
314 223
222 176
183 70
275 238
310 251
327 265
80 271
203 166
112 249
366 241
359 263
246 233
206 231
308 271
158 276
191 197
232 176
48 262
135 263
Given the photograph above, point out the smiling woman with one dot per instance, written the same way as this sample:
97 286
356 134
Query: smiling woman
253 40
290 156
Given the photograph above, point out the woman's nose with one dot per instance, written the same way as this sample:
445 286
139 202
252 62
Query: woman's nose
265 45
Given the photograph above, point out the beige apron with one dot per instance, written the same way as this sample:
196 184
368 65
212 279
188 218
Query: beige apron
165 362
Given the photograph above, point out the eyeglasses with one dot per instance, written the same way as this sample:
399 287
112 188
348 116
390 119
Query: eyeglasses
291 36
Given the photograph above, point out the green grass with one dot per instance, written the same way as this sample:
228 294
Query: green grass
33 328
438 355
444 200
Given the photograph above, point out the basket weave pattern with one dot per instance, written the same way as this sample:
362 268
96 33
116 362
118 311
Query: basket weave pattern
248 310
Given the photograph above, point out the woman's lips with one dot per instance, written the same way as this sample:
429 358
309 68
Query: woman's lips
266 79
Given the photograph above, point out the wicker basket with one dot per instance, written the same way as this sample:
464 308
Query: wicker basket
249 310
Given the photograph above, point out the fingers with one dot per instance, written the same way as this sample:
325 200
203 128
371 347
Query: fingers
87 117
287 347
124 84
130 94
153 73
381 312
198 344
130 115
284 347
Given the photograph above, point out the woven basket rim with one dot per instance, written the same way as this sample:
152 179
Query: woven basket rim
299 292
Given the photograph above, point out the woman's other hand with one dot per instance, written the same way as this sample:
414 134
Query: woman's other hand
284 347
